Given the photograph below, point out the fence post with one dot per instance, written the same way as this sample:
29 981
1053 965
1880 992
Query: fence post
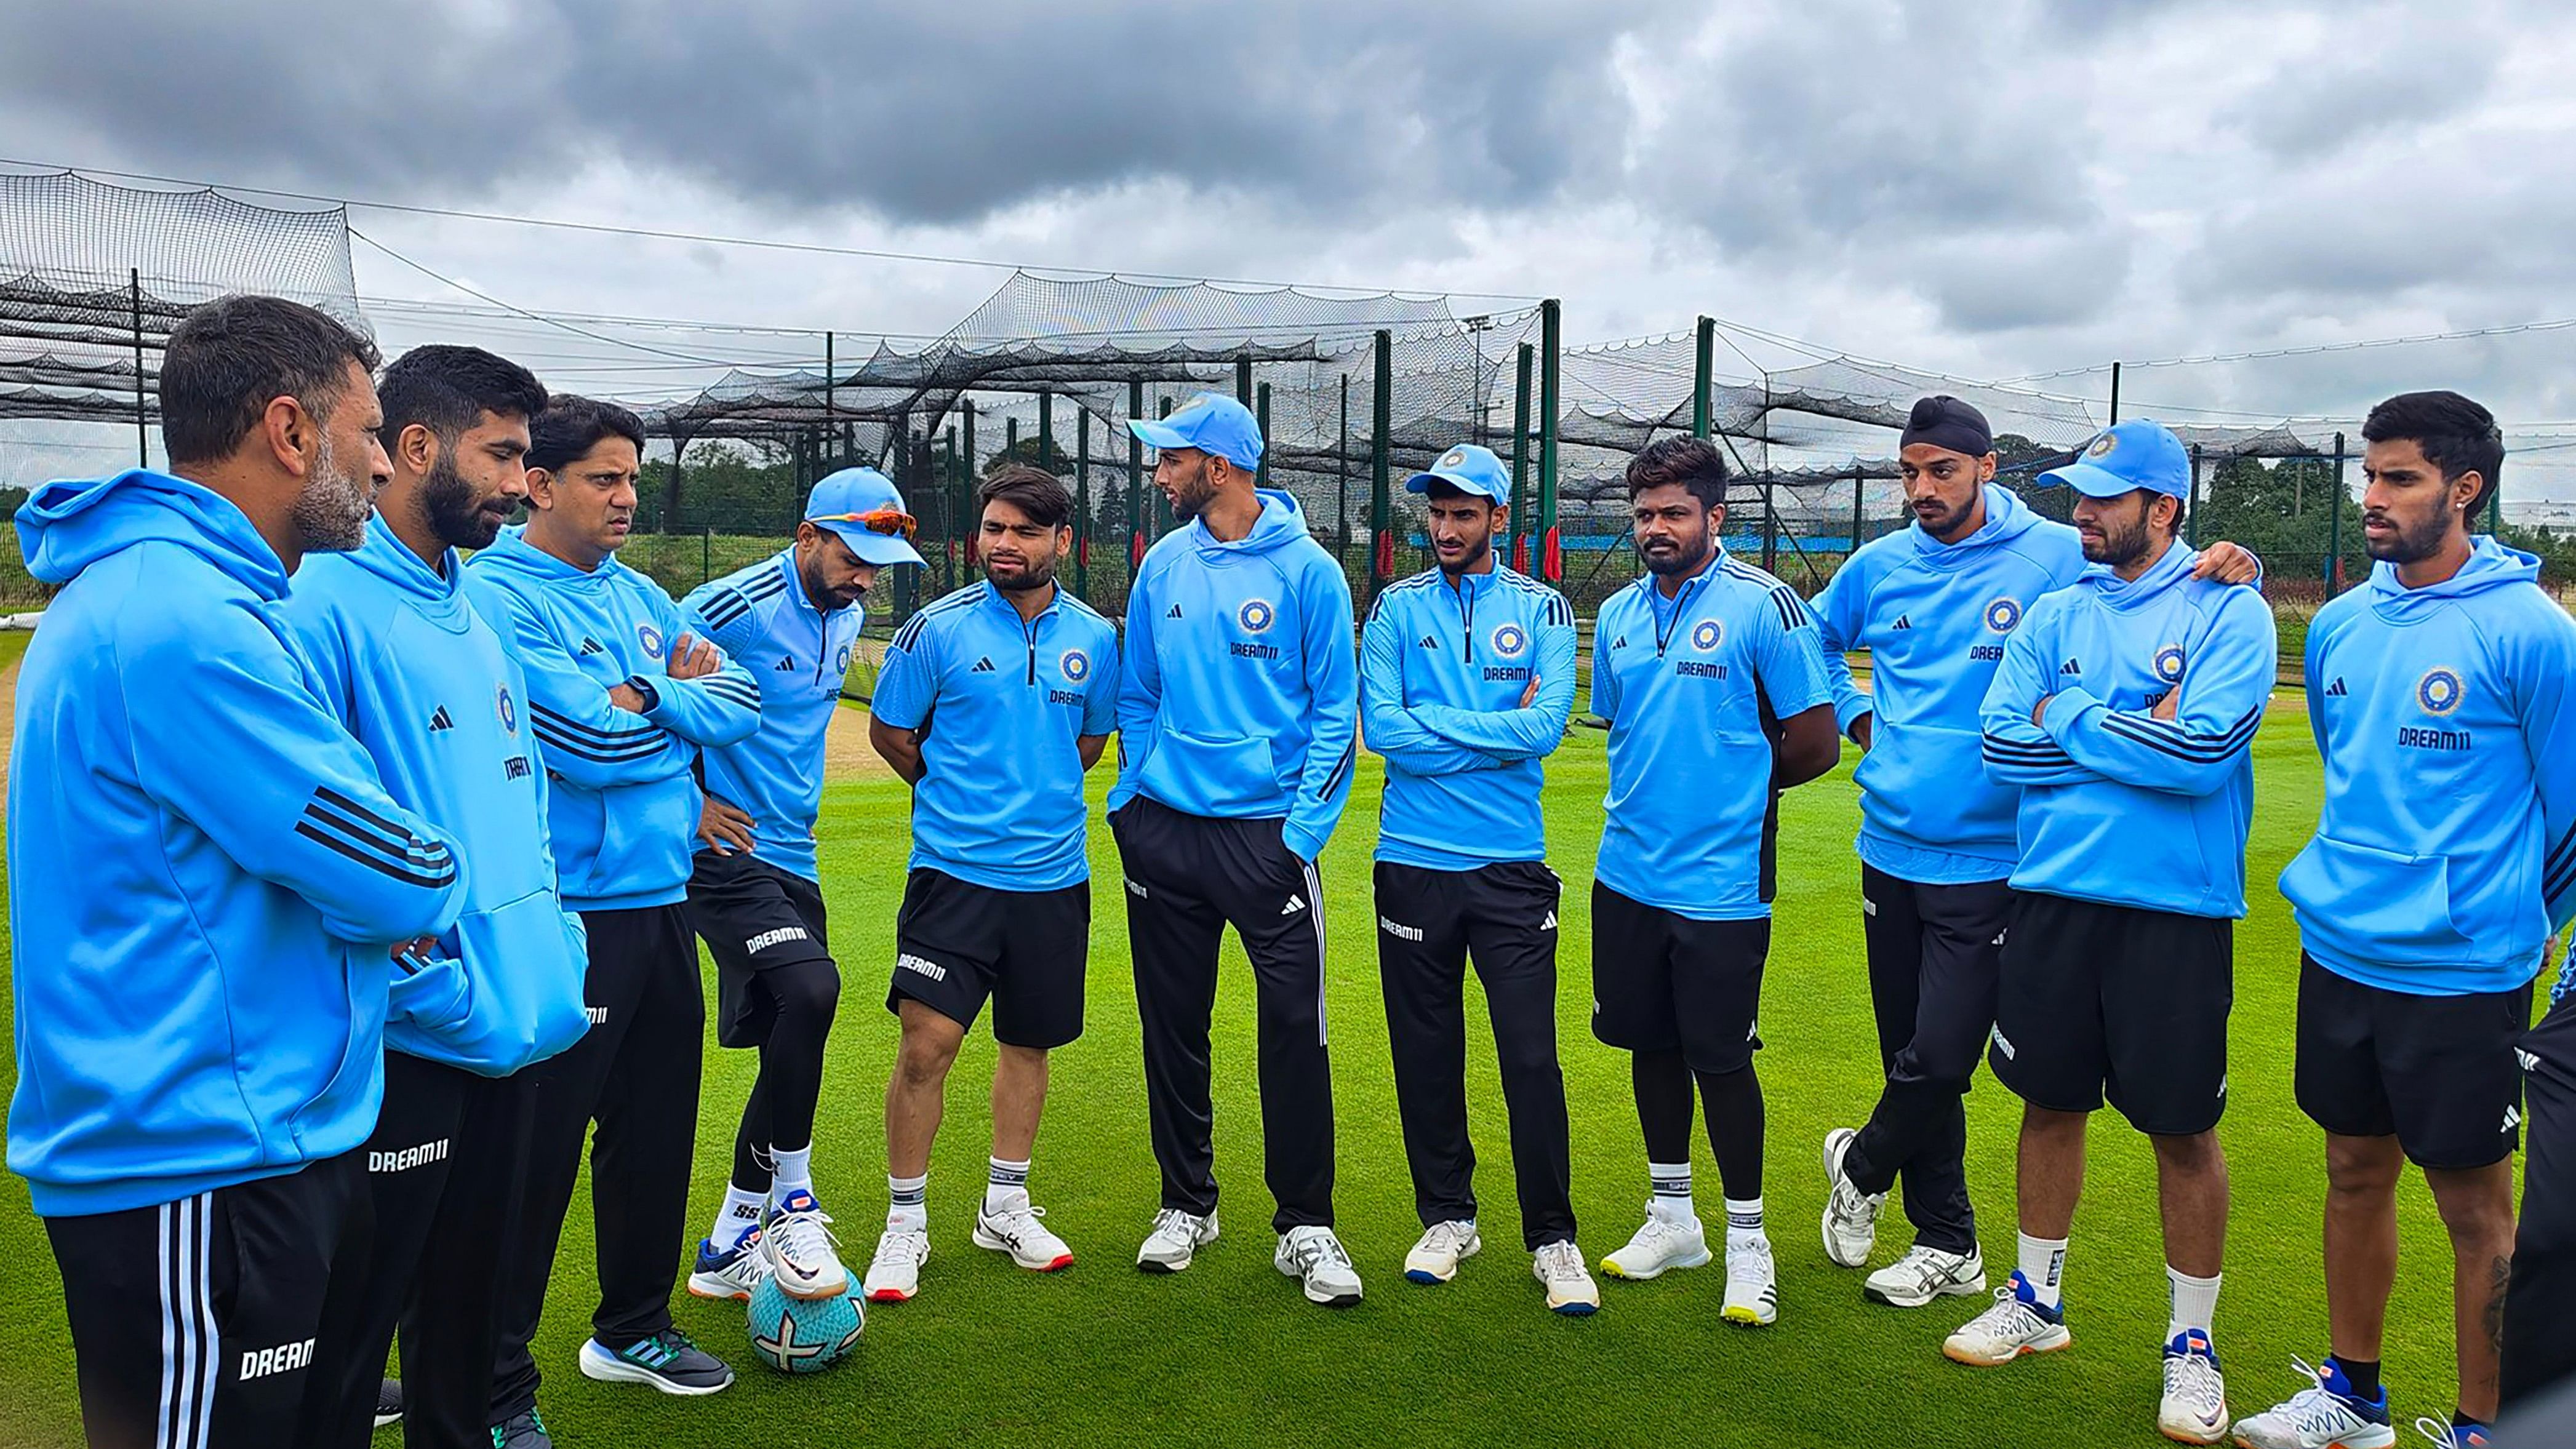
1551 329
2191 513
1261 411
2115 392
1857 485
142 438
1243 380
2334 527
828 403
1162 500
1046 432
1082 503
1135 482
1381 442
1520 458
1342 483
1703 365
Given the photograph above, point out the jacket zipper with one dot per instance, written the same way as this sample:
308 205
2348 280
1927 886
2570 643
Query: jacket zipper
1467 602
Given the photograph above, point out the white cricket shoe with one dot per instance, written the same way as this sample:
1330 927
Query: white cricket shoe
894 1274
1570 1289
1016 1230
1752 1285
2015 1326
1435 1258
1314 1257
1851 1216
2324 1415
1659 1244
1175 1240
2194 1407
730 1273
1924 1274
801 1250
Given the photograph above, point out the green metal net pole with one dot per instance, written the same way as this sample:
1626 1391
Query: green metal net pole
1082 502
1135 480
1342 483
1520 458
1703 366
1242 379
1261 415
1162 501
1551 320
2334 526
1381 440
1046 432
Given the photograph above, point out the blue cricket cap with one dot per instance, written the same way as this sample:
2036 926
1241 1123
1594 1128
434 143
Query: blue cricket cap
2124 458
1212 423
861 506
1469 469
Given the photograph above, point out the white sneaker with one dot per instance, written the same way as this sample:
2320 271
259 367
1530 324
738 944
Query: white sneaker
2318 1417
1659 1245
2443 1434
1851 1216
1752 1285
1924 1274
2194 1408
1016 1230
799 1244
2016 1325
731 1273
1570 1289
894 1274
1314 1257
1176 1238
1435 1258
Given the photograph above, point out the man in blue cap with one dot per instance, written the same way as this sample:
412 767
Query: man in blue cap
1237 729
1466 679
755 890
2124 710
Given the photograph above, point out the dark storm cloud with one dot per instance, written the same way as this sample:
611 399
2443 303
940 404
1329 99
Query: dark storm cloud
923 112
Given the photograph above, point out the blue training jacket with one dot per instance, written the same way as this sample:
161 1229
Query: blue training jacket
2445 855
205 875
624 810
423 683
797 654
1934 617
2118 806
1006 700
1238 690
1443 666
1689 685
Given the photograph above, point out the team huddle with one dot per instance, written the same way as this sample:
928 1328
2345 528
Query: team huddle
345 913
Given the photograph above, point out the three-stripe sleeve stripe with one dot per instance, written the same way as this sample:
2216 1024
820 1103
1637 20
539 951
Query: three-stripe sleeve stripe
361 835
1341 770
640 745
2184 744
740 691
2558 872
732 604
2013 752
1315 905
642 729
191 1355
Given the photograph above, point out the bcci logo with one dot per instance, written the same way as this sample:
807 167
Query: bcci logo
1706 634
2440 690
1256 616
2101 447
1075 664
841 661
1509 641
650 638
2169 663
2002 615
1452 458
509 710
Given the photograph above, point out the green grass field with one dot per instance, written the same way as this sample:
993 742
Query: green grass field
1229 1353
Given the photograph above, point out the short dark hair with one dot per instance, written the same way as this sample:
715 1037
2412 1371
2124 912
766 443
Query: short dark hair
2456 435
1034 491
228 359
571 426
447 389
1686 460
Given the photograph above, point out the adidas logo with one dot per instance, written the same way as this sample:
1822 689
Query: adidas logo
1550 923
1430 643
590 645
1868 907
2512 1119
1173 612
2070 667
2004 1043
2335 690
1999 936
1903 622
983 665
439 721
1619 643
785 665
1295 904
2530 1060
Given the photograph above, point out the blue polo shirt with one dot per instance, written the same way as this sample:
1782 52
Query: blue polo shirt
1000 801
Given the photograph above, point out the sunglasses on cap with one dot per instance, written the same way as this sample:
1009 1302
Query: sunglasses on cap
888 521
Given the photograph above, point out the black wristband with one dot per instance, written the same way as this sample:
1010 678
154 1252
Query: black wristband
644 687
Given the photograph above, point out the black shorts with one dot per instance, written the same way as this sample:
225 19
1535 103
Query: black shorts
957 943
1664 982
754 917
2438 1073
2101 1001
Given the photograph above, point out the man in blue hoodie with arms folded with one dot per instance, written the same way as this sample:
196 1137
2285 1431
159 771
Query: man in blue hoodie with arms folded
1466 679
424 684
2442 693
206 884
2124 711
1238 713
621 699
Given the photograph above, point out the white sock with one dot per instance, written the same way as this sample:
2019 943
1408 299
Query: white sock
740 1214
793 1174
906 1196
2043 1267
1672 1188
1743 1221
2195 1301
1008 1183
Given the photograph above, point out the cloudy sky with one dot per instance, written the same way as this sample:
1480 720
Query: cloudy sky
1990 188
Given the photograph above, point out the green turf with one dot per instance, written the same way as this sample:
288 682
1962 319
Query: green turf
1101 1355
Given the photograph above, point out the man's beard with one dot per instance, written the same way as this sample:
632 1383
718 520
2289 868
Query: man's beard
2414 543
1683 560
2122 544
454 512
1474 556
1194 494
1039 574
330 515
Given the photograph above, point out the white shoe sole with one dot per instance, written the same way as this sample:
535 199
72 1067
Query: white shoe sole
2192 1431
1834 1252
599 1364
717 1287
1755 1315
387 1421
1189 1255
1612 1267
996 1243
2049 1342
1323 1296
1971 1288
1432 1276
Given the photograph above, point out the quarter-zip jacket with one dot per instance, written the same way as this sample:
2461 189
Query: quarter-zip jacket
797 654
1443 665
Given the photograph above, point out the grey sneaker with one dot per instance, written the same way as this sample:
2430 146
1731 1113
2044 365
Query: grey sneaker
526 1431
667 1361
388 1403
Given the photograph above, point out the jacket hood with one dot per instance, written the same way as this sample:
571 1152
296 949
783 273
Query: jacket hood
65 527
2165 573
2491 565
436 594
513 552
2007 518
1281 523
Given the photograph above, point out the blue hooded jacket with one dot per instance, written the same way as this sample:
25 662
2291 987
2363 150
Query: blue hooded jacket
1442 671
1239 686
2445 855
205 876
624 810
1934 617
2118 806
426 687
